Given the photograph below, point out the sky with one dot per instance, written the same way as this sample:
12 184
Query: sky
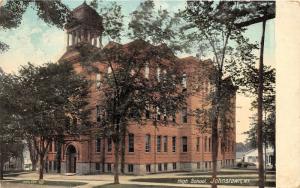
36 42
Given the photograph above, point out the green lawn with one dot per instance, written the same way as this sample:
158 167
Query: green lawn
46 182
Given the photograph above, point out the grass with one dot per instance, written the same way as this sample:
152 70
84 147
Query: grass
131 186
233 181
15 174
46 182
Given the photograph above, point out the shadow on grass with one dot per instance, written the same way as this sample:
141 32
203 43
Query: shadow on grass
232 181
16 174
50 183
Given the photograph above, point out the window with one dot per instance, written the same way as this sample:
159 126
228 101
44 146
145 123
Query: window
184 115
98 113
147 70
131 142
109 144
54 165
148 168
130 167
158 143
205 144
209 144
98 80
165 114
165 143
165 166
50 147
198 165
174 118
147 113
159 167
158 74
108 167
97 166
184 82
55 146
50 165
147 143
98 145
174 166
174 143
198 144
184 144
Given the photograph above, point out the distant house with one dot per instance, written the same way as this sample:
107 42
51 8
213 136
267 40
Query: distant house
239 156
251 156
19 163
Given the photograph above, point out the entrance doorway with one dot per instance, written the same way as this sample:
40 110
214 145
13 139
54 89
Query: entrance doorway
71 159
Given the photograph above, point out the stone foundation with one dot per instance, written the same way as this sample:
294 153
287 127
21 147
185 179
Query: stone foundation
140 169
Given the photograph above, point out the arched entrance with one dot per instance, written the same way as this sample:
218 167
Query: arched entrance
71 159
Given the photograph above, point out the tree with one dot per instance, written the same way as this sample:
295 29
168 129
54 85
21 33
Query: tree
49 95
210 26
259 12
248 82
156 26
52 12
126 92
10 141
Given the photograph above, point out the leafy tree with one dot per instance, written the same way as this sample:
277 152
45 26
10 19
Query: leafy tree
126 93
48 96
211 25
113 19
52 12
156 26
259 12
10 142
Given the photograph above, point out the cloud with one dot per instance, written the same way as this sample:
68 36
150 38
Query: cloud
31 42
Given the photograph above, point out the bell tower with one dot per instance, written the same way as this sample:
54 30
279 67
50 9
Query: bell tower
84 26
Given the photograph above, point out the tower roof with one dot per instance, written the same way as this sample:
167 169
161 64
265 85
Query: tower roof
85 15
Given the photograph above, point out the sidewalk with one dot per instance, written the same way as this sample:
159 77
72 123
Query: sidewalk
96 180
